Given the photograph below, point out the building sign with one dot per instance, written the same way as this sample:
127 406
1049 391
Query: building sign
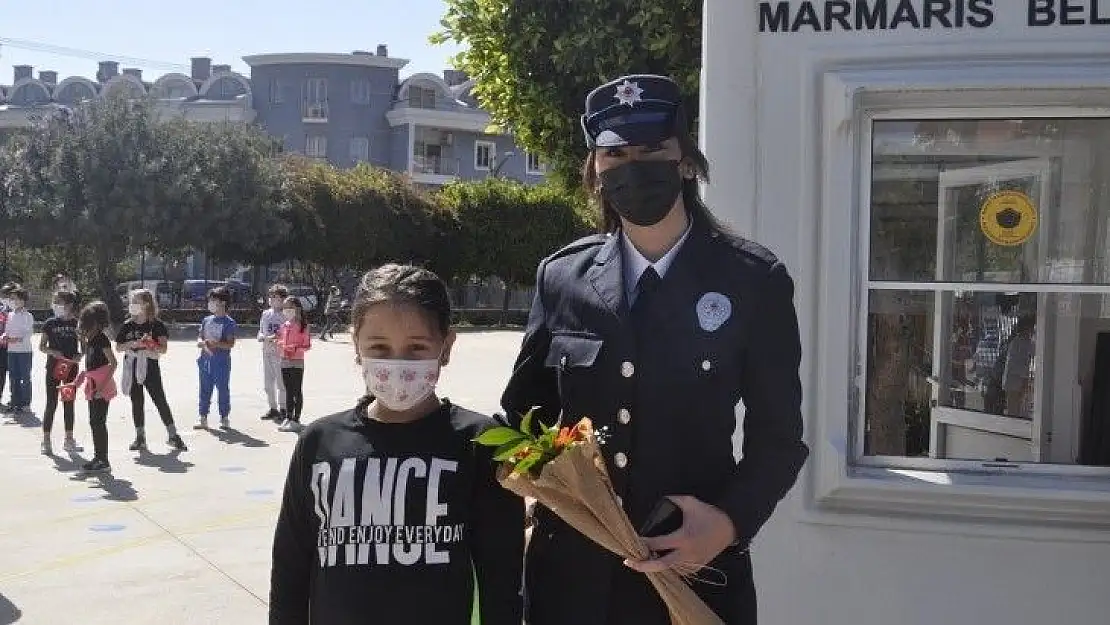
816 16
1008 218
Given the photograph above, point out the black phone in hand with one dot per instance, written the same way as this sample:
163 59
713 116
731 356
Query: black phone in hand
665 518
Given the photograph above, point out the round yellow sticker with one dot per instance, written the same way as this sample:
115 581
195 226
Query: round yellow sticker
1008 218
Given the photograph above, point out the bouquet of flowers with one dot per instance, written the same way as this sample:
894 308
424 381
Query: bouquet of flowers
148 343
562 468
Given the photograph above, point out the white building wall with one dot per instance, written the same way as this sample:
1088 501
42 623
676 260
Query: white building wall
766 127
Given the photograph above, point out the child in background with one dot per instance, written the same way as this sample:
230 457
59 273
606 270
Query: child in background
217 337
100 388
143 339
5 310
453 528
17 335
59 343
268 328
293 341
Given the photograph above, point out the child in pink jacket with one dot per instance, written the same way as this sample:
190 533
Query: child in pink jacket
293 341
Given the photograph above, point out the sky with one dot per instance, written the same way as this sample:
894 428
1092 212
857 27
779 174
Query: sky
161 32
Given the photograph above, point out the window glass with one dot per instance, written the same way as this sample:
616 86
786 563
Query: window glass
987 329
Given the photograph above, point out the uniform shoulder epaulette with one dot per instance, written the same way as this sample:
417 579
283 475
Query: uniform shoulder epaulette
747 247
584 243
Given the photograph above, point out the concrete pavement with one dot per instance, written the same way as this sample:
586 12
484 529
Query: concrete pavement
176 539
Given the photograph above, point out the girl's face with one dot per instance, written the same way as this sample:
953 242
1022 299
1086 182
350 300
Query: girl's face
401 331
62 307
290 312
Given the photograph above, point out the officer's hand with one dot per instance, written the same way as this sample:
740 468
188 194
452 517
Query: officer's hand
706 531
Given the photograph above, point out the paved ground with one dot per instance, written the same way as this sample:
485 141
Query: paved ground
177 538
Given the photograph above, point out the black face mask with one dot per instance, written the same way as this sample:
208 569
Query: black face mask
643 192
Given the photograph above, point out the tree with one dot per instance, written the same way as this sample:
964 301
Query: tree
534 61
110 177
506 227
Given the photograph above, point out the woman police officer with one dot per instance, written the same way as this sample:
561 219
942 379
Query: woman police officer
656 329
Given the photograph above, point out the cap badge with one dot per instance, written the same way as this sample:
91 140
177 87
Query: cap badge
628 93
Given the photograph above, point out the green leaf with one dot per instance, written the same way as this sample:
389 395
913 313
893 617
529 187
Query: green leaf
525 465
495 437
505 452
526 423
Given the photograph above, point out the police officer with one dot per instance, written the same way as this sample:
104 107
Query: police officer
656 329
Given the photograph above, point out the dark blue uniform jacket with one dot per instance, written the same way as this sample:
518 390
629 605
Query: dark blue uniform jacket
669 402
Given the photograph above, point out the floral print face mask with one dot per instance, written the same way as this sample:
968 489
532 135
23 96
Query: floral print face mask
400 384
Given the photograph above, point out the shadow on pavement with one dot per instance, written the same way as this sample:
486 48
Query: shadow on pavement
235 437
166 463
115 489
72 462
23 419
8 612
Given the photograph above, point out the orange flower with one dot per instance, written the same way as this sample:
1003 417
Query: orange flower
565 437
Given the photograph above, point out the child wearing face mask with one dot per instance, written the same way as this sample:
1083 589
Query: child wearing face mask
59 343
142 340
392 497
293 341
5 310
268 328
17 334
97 378
217 337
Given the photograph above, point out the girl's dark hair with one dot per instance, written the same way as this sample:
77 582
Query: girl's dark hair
404 284
691 194
280 290
296 303
19 293
93 318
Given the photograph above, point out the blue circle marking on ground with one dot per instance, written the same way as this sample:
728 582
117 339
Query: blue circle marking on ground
233 469
260 492
87 498
107 527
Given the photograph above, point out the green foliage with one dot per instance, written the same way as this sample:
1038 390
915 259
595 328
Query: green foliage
506 227
534 61
526 452
110 177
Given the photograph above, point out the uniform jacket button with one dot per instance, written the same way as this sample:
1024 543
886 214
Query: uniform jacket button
621 460
624 416
706 365
627 369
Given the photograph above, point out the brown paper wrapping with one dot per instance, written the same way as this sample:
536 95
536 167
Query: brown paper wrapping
576 487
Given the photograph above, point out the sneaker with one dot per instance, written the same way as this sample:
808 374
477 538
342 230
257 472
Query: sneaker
176 443
72 446
202 423
225 423
272 415
46 448
139 444
290 426
97 464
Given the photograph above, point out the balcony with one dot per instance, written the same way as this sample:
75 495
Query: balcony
315 113
432 169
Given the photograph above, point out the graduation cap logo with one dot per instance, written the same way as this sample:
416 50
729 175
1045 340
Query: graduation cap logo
628 93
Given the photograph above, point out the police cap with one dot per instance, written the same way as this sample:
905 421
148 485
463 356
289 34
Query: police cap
632 110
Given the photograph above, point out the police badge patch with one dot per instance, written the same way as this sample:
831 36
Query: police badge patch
714 309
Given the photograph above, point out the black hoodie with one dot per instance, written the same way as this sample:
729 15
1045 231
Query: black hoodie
392 524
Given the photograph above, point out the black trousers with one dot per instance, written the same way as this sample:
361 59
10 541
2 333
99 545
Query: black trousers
293 377
153 385
3 369
98 423
68 414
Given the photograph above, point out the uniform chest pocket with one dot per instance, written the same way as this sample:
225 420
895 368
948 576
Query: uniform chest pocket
574 358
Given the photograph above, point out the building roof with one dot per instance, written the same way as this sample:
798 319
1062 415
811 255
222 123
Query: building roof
361 59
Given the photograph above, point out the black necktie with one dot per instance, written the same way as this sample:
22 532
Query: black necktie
646 289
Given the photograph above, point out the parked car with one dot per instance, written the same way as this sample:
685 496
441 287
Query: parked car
306 294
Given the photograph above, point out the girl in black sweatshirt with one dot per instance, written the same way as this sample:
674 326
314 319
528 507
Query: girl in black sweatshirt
391 513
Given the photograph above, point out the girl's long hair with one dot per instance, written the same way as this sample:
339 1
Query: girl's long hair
147 301
94 318
296 304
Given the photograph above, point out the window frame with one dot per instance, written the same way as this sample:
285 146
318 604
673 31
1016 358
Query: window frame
852 95
323 138
351 152
361 87
539 169
492 146
320 104
277 95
